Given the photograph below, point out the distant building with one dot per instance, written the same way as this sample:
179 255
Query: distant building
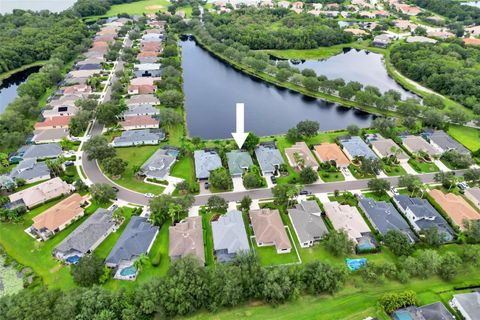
455 206
443 142
186 238
269 230
229 236
385 148
139 122
205 162
307 222
421 39
49 135
141 110
147 70
415 144
142 99
381 41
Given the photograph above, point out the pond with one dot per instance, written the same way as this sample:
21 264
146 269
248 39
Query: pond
36 5
473 4
212 88
8 87
355 65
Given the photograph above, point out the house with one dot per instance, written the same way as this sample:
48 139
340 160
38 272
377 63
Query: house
142 110
139 137
60 111
30 171
467 304
88 236
297 5
405 25
147 57
307 222
139 122
90 66
142 99
136 240
152 37
81 89
455 206
58 217
53 123
205 162
433 311
284 4
49 135
381 41
41 193
186 238
355 147
385 148
473 194
147 70
331 152
238 162
384 217
151 46
356 32
422 215
159 164
474 30
141 89
471 41
440 140
269 158
144 81
83 73
440 34
229 236
345 217
299 156
39 151
269 230
407 9
421 39
366 14
416 144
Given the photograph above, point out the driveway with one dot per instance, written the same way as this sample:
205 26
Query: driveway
441 166
348 175
408 168
238 184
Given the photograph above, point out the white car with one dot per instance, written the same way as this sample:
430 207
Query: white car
149 195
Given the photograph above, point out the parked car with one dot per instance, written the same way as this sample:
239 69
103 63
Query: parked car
207 185
69 163
115 188
394 191
462 186
149 195
273 179
303 192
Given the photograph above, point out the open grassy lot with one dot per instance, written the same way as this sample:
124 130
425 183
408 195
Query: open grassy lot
38 255
136 157
138 7
469 137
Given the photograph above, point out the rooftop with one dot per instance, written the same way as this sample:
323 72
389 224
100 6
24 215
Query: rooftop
139 136
238 161
186 238
308 226
159 164
269 158
356 147
415 144
469 303
455 206
268 228
387 148
30 169
142 120
347 218
142 99
206 161
331 152
444 141
229 233
303 152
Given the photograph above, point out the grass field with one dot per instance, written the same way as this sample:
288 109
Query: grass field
327 176
423 167
208 236
469 137
136 8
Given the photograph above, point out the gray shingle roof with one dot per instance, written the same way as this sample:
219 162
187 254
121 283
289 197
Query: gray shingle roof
238 161
425 214
311 206
159 164
41 151
134 241
30 169
82 239
229 233
269 158
206 161
309 227
139 136
146 109
385 217
444 141
470 303
147 66
356 147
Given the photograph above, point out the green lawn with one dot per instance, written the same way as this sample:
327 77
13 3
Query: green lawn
107 245
185 169
469 137
423 167
359 175
208 236
136 8
377 197
394 170
38 255
136 157
328 176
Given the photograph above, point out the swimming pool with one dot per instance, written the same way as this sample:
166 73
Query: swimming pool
73 259
355 264
366 243
402 315
128 271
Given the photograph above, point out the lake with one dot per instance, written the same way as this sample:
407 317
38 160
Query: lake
355 65
7 6
473 4
212 88
8 87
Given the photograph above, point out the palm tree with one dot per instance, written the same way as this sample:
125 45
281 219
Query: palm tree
299 160
140 261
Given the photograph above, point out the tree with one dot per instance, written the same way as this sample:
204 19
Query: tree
282 193
398 243
457 160
309 73
449 266
293 135
447 179
217 204
107 113
245 203
171 98
87 104
311 83
320 277
283 75
429 261
251 142
391 302
410 122
88 270
433 100
411 182
170 118
433 118
308 128
308 175
220 179
114 166
379 186
353 130
472 175
338 243
472 231
102 192
385 126
279 285
432 237
79 122
370 166
164 207
97 148
251 180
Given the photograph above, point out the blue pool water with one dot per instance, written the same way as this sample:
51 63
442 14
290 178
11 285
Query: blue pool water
365 243
128 271
402 315
73 259
355 264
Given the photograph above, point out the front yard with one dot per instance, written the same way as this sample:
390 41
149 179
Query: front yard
423 167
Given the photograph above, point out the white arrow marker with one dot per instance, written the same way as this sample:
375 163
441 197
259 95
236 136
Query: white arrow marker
240 136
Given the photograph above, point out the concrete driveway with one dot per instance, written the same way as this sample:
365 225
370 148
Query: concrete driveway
238 184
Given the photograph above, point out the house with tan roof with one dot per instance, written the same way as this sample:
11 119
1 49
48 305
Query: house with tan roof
60 111
471 41
41 193
144 81
473 194
82 89
269 230
455 206
415 144
331 152
58 217
60 122
347 218
139 122
299 156
141 89
385 148
142 99
49 135
186 238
